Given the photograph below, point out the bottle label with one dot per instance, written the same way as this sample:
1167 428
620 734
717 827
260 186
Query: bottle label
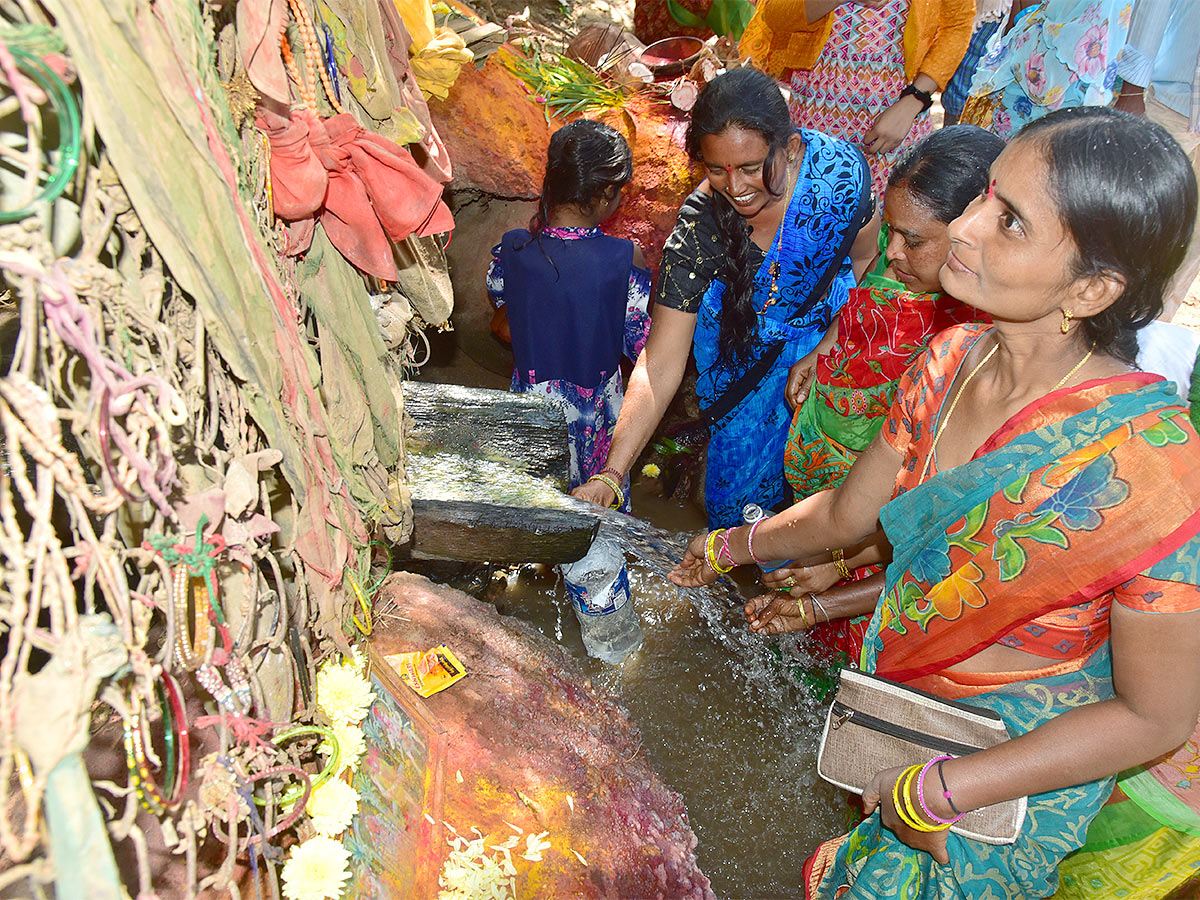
605 603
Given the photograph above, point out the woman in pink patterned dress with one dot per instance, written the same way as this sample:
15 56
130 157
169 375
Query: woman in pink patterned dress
863 71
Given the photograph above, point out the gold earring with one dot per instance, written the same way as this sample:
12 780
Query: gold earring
1066 322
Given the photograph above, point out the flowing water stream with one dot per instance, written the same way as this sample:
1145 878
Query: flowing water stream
722 720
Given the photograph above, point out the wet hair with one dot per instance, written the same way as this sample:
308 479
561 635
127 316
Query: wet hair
1126 194
586 160
743 98
948 169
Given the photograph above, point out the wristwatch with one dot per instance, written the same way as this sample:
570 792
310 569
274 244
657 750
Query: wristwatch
925 97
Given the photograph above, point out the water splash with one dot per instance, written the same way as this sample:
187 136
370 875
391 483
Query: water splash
724 720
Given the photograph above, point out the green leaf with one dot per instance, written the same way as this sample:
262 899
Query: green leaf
1016 490
973 521
725 17
1012 556
730 17
685 16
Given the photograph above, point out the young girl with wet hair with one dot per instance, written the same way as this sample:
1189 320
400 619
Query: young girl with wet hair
575 298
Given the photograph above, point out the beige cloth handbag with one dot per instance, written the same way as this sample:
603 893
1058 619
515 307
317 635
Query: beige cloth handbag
876 724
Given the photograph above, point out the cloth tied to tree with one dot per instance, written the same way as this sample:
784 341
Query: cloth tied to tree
366 191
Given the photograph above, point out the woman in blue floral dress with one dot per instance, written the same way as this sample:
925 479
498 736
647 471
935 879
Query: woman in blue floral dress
1059 54
575 298
753 276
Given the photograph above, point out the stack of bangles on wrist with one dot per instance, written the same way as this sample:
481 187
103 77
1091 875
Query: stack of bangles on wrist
908 814
713 553
839 563
613 479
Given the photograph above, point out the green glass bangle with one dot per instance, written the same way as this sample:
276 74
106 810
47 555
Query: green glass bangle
69 142
335 759
168 718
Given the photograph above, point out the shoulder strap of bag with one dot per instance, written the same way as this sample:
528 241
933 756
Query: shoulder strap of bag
740 389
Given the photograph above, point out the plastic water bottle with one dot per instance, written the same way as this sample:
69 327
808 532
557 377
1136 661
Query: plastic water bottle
598 587
752 513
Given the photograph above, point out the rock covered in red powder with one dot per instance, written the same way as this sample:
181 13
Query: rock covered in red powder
496 134
662 174
537 747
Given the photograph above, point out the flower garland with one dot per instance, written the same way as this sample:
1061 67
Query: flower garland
318 868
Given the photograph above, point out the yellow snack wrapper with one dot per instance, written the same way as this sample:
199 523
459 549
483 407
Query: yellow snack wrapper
428 671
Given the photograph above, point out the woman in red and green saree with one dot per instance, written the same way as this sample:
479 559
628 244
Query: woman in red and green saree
1043 501
842 391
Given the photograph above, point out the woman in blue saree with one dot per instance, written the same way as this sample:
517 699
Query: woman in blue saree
752 278
1043 501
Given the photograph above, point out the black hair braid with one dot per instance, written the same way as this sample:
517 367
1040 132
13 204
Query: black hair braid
541 216
739 318
748 99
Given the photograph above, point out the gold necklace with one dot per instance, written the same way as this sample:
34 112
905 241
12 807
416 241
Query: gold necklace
774 268
950 412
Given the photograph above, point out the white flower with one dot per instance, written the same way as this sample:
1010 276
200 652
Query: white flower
351 746
343 694
471 873
357 660
316 870
332 807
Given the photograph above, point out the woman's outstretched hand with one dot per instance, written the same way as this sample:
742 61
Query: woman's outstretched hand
595 492
800 580
879 793
692 570
775 613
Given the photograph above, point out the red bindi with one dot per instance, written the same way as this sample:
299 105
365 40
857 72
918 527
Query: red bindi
992 189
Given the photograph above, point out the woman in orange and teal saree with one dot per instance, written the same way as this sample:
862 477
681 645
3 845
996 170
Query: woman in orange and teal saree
1042 498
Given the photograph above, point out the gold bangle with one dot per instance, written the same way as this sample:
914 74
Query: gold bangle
896 797
710 553
904 806
614 487
190 649
839 563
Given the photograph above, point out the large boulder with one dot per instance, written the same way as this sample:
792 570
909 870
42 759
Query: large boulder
496 135
532 744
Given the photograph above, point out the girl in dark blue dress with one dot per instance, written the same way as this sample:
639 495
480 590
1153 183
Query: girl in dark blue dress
575 298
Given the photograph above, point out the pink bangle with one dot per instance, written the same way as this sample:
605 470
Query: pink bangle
725 548
750 541
921 792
